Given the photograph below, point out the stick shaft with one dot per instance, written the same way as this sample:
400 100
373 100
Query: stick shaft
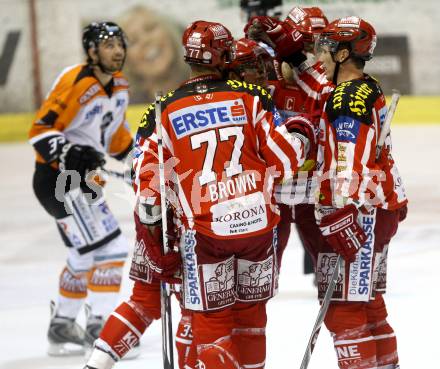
387 123
321 314
166 313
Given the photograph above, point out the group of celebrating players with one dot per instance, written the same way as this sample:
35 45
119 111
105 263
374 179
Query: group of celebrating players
278 127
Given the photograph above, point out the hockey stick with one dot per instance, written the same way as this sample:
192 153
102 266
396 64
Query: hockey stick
387 123
321 314
117 175
165 300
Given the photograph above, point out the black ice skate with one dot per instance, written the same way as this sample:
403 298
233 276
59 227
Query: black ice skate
66 337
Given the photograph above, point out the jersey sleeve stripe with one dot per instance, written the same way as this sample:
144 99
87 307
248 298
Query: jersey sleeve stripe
276 149
364 160
51 133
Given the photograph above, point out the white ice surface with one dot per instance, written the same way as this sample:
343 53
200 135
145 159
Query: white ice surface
32 256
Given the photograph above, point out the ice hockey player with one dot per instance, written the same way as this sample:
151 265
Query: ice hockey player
221 137
125 326
83 118
293 96
361 198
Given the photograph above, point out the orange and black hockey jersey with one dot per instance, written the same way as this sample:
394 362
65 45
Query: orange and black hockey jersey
350 127
80 110
225 152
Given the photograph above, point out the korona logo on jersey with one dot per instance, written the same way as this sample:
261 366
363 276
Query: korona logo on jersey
198 118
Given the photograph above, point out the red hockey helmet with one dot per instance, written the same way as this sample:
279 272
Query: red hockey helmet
354 31
309 21
207 43
248 53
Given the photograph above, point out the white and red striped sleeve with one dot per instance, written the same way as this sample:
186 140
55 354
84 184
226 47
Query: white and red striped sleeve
279 148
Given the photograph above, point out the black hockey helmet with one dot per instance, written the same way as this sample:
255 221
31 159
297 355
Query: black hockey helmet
96 32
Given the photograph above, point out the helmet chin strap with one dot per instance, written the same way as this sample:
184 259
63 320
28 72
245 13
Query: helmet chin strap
337 66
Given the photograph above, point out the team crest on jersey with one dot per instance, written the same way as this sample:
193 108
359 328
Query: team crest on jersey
201 117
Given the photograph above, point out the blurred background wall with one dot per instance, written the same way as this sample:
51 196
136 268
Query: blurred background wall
407 57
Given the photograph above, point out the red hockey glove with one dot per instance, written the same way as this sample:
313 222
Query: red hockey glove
403 212
285 40
148 260
343 232
308 126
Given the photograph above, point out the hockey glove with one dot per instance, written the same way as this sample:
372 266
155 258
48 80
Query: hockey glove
403 212
343 233
306 125
148 260
81 158
283 38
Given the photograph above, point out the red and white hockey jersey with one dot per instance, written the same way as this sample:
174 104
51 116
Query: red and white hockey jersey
287 97
225 153
314 86
347 167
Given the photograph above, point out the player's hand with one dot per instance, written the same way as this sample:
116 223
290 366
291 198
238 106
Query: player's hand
81 158
285 40
343 233
148 260
308 126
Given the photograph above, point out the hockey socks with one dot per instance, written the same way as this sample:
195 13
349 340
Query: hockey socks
249 334
122 331
72 293
362 337
184 338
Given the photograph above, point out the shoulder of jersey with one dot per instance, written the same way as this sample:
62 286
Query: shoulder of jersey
353 99
148 120
82 84
120 81
252 89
